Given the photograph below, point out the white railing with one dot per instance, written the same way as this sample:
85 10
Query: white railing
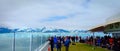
21 41
43 47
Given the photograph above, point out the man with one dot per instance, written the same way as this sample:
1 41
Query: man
67 42
51 43
55 41
59 45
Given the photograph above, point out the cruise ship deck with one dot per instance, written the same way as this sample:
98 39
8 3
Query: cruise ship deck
40 25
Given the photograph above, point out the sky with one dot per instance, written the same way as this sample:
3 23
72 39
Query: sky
63 14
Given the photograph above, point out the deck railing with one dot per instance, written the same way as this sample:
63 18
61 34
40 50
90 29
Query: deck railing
21 41
44 47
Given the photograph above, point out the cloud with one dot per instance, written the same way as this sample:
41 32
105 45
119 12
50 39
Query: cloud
54 18
66 14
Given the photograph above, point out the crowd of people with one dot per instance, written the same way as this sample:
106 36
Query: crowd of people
108 42
56 42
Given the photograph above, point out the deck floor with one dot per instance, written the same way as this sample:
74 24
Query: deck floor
82 47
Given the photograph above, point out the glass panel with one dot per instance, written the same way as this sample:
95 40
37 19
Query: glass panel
22 42
38 40
35 41
6 41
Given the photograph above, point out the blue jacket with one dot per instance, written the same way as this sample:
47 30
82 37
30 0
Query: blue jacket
55 40
67 42
99 41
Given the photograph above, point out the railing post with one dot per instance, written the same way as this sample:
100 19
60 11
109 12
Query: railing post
41 39
13 45
31 37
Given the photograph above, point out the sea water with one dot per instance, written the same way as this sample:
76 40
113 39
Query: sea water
32 40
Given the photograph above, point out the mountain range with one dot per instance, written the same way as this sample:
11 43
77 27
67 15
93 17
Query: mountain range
43 30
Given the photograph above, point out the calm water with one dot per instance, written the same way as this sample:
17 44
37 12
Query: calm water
26 41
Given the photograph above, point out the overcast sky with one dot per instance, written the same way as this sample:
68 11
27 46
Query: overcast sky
64 14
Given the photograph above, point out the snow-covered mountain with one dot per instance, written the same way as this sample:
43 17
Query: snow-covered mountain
43 30
5 30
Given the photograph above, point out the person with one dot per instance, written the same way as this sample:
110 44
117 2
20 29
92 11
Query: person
55 41
116 45
73 40
51 43
67 42
80 39
98 42
111 40
91 41
104 42
59 45
62 40
77 38
87 40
